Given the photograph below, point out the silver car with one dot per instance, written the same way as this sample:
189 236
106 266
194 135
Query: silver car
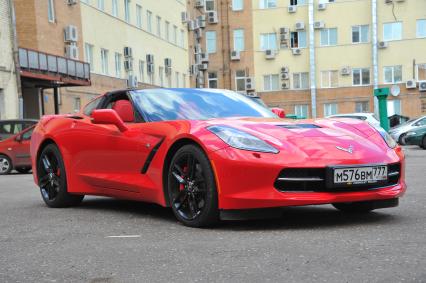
398 133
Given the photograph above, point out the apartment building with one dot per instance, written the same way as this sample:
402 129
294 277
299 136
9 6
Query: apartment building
9 100
314 58
97 46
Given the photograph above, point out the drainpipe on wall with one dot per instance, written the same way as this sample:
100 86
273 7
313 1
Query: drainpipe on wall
312 59
374 52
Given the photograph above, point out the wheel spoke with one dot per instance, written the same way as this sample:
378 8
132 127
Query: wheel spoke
179 178
44 181
46 163
193 206
191 166
179 169
180 199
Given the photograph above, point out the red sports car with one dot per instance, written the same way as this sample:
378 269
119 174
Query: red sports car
210 155
15 152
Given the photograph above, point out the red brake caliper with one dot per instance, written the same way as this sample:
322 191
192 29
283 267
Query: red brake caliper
182 186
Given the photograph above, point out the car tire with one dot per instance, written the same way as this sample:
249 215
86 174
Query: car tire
354 207
5 164
401 139
52 179
423 143
23 170
191 188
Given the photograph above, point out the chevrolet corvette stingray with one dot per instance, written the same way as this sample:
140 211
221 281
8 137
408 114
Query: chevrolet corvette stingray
210 155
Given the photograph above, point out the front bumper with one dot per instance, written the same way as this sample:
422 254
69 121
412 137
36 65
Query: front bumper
245 180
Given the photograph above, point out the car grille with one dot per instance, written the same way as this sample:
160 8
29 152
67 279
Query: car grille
314 180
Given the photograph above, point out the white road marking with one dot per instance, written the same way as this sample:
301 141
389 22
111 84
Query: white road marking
124 236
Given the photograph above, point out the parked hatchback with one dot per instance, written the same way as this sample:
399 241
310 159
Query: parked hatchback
399 132
10 128
15 152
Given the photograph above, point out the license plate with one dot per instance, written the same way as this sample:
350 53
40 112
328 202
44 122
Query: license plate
360 175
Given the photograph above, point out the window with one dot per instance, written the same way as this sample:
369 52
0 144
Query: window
266 4
300 80
298 39
142 71
149 21
118 65
77 104
114 8
362 107
104 61
297 2
392 74
237 5
301 111
360 34
174 34
101 5
268 41
330 109
158 26
212 80
360 77
421 28
138 16
238 39
421 72
210 5
392 31
182 38
177 75
271 82
92 105
88 51
127 10
240 80
161 75
329 79
167 31
51 11
328 37
210 41
394 107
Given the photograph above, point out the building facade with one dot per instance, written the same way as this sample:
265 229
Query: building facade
9 100
315 58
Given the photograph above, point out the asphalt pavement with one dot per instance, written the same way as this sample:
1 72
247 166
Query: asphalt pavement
108 240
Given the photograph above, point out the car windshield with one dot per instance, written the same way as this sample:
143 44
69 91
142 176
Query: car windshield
195 104
258 100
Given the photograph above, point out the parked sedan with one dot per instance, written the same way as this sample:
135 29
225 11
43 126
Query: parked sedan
399 132
15 152
416 137
10 128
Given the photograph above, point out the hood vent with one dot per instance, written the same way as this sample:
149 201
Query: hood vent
299 126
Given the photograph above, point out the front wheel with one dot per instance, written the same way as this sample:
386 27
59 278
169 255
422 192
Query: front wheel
192 188
52 179
401 139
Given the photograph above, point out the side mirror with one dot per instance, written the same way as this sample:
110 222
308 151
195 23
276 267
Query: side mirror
278 111
18 138
108 117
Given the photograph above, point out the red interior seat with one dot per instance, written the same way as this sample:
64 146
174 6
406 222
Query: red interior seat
124 109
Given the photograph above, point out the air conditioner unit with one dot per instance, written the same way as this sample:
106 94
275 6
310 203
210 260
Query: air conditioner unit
191 25
197 48
322 6
71 51
285 85
319 25
132 81
168 62
204 57
184 17
212 17
128 65
300 25
284 76
235 55
410 84
128 52
382 44
249 83
201 23
422 85
71 2
193 69
345 71
203 67
70 34
150 58
283 36
198 33
201 18
199 3
292 9
269 54
284 70
296 51
150 68
284 30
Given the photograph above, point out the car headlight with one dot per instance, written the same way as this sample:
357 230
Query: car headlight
241 140
387 138
411 134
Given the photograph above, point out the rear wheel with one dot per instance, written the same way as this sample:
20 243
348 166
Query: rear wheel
192 188
423 143
354 207
52 179
401 139
5 165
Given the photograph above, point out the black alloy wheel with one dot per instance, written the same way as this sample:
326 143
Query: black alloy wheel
52 179
192 188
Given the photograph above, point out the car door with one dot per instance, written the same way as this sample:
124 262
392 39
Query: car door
21 148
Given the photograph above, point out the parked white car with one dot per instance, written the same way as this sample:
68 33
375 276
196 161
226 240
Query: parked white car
398 133
369 117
